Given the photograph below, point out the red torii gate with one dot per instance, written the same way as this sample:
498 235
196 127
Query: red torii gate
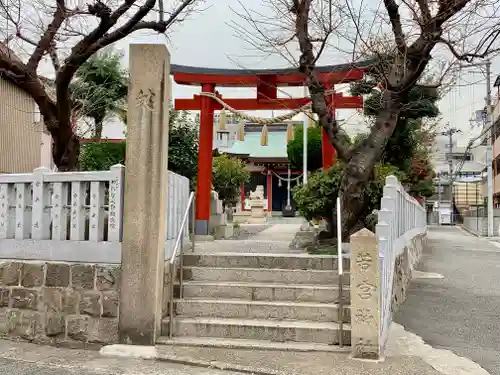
267 83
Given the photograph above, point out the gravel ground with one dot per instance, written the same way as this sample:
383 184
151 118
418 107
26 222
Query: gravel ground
245 231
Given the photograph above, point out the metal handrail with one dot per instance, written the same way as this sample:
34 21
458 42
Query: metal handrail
178 248
340 269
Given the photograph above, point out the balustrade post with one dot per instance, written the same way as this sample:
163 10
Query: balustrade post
77 231
58 212
23 221
7 196
40 226
96 215
115 209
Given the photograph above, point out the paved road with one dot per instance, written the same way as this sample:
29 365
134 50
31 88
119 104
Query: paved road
460 312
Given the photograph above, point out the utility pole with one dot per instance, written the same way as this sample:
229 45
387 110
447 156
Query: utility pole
439 197
450 133
490 140
489 151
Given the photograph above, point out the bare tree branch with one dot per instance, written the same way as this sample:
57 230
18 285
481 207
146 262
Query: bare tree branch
393 12
316 89
48 36
470 29
64 25
426 12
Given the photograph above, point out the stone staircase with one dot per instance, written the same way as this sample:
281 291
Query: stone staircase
260 300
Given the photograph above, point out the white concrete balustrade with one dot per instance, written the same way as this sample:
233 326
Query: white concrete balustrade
381 266
73 216
401 218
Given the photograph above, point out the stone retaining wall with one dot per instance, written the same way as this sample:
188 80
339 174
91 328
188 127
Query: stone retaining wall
55 303
403 267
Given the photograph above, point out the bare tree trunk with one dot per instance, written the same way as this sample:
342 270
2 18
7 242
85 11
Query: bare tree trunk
110 26
407 68
98 121
360 167
65 150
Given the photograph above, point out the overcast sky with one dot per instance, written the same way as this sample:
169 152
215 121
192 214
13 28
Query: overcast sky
208 39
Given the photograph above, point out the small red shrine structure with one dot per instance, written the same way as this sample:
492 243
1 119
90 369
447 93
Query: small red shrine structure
266 82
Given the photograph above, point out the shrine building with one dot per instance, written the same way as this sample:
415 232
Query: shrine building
265 153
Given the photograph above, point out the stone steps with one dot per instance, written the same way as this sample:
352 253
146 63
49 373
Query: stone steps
262 275
263 291
227 343
271 310
259 329
274 261
238 299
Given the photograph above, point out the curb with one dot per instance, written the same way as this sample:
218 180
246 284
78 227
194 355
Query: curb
468 231
152 353
217 365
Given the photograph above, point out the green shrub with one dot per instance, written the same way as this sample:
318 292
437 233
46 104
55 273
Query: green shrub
227 177
317 199
100 156
295 148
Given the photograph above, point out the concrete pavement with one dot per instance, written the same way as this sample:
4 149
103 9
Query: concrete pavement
406 355
279 232
454 303
28 359
246 231
254 238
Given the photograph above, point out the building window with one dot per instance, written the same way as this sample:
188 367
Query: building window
497 128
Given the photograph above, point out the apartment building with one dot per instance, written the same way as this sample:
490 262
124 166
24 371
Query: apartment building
464 189
496 152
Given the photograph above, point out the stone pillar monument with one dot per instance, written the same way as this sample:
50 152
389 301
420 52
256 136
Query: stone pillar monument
145 195
365 296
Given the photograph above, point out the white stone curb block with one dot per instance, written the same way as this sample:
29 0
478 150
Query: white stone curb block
426 275
402 342
129 351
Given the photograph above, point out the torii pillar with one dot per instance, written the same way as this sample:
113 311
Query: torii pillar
327 150
204 182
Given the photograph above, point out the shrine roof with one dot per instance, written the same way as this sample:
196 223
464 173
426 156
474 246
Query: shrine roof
194 75
252 148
